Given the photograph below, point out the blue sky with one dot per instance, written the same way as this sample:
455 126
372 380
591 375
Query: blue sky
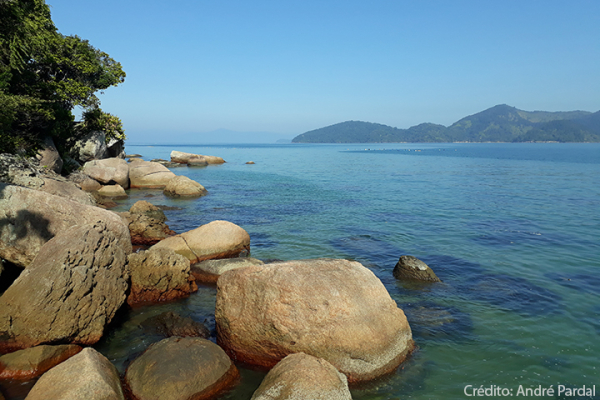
287 67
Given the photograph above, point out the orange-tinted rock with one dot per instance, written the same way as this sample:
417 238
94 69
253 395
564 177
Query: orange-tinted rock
333 309
146 223
209 271
30 363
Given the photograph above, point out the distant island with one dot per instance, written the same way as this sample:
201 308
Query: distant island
501 123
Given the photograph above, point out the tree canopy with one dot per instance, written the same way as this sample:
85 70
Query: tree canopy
44 75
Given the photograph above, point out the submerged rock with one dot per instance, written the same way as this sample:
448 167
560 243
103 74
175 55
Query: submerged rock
209 271
412 269
217 239
171 324
180 369
29 218
159 275
300 376
88 375
333 309
182 186
30 363
69 293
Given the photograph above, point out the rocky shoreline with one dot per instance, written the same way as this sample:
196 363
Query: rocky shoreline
319 324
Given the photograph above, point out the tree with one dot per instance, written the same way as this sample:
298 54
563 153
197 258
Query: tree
44 75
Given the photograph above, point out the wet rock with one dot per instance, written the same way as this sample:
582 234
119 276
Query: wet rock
49 157
171 324
113 191
88 375
209 271
108 171
412 269
180 369
182 186
29 218
217 239
159 275
133 156
146 223
197 162
250 162
146 174
69 293
90 147
30 363
300 376
333 309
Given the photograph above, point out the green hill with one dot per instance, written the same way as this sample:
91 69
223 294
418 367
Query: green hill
501 123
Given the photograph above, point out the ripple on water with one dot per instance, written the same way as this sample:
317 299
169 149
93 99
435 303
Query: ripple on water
433 321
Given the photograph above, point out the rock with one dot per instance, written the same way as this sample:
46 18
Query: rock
31 363
115 148
29 218
180 369
170 324
197 162
182 186
133 156
159 275
108 171
333 309
146 223
91 146
90 185
49 156
209 271
113 191
184 158
134 159
146 174
217 239
300 376
88 375
412 269
250 162
67 190
69 293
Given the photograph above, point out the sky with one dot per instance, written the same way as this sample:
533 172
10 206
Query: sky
197 69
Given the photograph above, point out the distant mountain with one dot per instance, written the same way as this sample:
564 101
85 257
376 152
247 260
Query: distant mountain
501 123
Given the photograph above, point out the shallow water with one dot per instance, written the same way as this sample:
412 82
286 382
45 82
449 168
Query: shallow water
512 230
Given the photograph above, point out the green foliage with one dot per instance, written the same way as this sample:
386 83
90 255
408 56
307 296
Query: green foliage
497 124
97 120
44 74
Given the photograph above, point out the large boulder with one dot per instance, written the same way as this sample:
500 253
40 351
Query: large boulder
108 171
182 186
217 239
29 218
410 268
91 146
88 375
333 309
209 271
146 223
69 293
180 369
159 275
189 158
146 174
49 157
30 363
300 376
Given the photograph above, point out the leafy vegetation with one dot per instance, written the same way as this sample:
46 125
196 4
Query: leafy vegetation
44 75
501 123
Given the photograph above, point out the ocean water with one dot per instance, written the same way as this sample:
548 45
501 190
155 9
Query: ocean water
513 230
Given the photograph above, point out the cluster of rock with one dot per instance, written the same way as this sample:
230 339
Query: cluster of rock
318 325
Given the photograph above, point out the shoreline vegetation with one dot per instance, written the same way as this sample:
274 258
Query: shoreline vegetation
499 124
77 263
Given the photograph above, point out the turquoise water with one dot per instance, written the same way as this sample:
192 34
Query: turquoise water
513 230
